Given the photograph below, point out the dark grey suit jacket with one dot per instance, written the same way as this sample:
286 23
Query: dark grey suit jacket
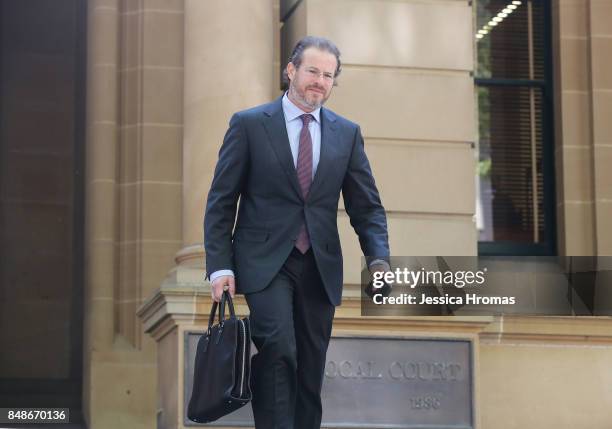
255 166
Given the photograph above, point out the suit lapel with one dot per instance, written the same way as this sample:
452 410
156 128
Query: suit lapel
329 138
274 123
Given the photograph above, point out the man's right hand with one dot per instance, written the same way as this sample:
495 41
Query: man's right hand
220 284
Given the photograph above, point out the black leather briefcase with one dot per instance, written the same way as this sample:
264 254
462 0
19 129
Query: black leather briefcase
222 366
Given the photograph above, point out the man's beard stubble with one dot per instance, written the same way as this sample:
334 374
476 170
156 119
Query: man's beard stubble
302 97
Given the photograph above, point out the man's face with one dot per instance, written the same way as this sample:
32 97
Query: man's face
310 85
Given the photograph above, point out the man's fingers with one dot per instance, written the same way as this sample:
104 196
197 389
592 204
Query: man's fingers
215 295
232 286
215 289
220 284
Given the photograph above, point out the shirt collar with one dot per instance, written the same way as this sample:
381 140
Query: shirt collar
293 112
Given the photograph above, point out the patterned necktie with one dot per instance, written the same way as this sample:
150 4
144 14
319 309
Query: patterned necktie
304 173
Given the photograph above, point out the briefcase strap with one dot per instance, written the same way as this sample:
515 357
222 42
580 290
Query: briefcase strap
225 298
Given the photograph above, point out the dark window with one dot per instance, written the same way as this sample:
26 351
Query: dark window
515 213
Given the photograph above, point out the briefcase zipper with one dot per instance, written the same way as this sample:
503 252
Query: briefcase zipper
243 355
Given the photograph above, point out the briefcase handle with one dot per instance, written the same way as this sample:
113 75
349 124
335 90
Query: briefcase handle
226 297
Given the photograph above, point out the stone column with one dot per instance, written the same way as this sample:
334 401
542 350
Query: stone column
583 132
101 203
600 44
133 221
575 212
228 67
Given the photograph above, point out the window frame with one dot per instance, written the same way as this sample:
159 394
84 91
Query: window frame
548 247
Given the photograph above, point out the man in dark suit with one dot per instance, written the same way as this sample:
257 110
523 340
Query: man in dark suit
287 162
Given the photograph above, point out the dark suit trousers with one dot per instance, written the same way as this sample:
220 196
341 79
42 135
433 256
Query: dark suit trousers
291 321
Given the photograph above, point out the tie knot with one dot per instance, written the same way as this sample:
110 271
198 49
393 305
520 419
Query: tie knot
306 118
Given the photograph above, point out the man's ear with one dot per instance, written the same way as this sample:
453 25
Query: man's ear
291 70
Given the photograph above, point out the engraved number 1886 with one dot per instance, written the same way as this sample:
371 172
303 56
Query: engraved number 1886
425 402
